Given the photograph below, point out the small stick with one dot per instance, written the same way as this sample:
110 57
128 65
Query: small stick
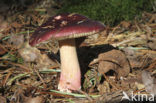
6 78
87 96
40 77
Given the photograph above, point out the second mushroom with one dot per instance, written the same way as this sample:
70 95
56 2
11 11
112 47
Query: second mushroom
65 28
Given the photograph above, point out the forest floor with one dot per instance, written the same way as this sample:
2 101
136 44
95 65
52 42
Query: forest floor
118 62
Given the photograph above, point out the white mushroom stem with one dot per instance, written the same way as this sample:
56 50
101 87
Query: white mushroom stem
70 70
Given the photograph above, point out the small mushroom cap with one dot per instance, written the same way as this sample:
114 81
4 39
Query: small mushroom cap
65 26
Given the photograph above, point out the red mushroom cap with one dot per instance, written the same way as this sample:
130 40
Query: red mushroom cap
65 26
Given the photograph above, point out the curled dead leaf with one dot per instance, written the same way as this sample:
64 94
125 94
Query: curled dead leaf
113 60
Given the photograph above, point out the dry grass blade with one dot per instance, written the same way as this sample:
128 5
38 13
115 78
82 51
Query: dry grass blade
21 66
74 94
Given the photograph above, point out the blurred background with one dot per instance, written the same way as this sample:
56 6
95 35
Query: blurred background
110 12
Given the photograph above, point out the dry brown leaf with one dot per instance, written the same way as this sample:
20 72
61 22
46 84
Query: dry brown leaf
32 54
17 40
113 60
28 53
37 99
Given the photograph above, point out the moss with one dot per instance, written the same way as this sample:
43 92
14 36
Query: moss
110 12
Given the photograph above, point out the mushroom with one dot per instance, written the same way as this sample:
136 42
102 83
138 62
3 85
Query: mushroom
65 28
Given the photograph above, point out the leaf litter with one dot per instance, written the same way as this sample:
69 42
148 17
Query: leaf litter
106 71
